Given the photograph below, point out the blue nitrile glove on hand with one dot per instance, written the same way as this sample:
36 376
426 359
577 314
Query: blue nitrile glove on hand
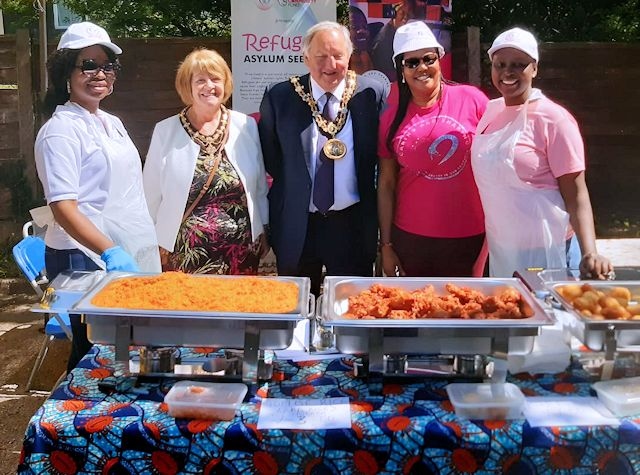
117 259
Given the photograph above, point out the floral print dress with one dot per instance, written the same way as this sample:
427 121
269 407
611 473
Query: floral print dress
216 236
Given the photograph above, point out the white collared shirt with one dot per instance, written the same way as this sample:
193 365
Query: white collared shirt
345 181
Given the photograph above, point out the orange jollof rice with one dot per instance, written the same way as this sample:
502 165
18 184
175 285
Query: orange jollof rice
179 291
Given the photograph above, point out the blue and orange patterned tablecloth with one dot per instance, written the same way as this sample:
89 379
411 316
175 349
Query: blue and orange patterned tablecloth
407 429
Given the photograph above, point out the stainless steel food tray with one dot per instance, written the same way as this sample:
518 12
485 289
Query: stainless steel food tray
304 307
593 333
192 328
444 336
66 289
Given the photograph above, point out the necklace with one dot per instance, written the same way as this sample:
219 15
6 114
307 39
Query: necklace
212 145
333 148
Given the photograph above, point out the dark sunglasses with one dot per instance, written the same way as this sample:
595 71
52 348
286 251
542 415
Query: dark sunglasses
90 67
413 63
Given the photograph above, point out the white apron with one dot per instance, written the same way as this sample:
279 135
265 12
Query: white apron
525 226
125 218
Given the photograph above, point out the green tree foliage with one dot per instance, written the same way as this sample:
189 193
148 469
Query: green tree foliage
551 20
140 18
623 21
21 13
158 18
343 11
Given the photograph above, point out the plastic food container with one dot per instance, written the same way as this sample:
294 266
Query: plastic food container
200 400
620 396
486 401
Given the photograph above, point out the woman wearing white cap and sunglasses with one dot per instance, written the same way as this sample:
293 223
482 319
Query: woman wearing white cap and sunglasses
90 170
528 160
431 221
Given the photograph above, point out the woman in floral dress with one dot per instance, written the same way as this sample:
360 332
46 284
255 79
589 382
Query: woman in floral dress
204 177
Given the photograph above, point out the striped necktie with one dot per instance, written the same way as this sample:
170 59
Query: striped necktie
323 184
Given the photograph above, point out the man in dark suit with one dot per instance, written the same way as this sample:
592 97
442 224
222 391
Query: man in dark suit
320 151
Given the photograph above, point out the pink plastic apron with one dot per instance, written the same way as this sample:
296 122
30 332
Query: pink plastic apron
525 226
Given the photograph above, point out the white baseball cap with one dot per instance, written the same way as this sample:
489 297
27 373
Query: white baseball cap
413 36
84 34
515 38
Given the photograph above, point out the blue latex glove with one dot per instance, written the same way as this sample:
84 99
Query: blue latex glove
117 259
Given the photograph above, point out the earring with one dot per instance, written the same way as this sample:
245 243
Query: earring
403 79
68 87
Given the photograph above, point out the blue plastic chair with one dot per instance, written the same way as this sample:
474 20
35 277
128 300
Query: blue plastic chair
29 256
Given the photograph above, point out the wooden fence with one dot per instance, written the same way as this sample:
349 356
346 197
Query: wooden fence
595 81
18 181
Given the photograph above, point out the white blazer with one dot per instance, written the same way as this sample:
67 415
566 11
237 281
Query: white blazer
170 165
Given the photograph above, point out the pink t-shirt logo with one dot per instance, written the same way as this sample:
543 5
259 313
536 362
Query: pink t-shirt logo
440 159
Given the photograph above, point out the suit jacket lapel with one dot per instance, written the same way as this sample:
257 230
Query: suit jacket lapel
306 123
358 121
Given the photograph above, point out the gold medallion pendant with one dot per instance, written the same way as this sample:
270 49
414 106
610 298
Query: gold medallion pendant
334 149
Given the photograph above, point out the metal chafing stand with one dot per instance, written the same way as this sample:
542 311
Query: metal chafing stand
122 327
389 345
607 338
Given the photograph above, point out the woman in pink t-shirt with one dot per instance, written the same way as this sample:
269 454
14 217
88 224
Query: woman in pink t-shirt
528 160
431 221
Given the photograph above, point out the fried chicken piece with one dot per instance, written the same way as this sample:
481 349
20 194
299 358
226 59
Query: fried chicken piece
400 299
401 315
472 310
367 304
447 306
380 301
465 294
423 302
510 295
507 304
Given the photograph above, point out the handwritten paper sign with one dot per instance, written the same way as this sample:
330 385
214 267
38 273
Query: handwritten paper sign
310 414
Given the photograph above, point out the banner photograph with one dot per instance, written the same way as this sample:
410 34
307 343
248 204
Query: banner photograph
266 43
373 24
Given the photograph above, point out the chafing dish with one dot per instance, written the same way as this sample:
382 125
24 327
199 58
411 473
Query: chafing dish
123 327
602 335
193 328
608 339
380 337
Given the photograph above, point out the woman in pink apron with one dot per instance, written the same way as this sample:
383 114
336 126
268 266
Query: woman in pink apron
528 162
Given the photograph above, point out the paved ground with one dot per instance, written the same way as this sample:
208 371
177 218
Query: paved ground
21 336
621 252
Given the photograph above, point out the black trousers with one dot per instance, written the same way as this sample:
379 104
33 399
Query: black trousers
334 241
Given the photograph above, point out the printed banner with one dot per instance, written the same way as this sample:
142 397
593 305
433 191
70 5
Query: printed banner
266 43
373 24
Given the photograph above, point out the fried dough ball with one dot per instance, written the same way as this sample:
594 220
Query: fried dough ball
609 303
634 310
571 292
581 304
620 292
615 312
